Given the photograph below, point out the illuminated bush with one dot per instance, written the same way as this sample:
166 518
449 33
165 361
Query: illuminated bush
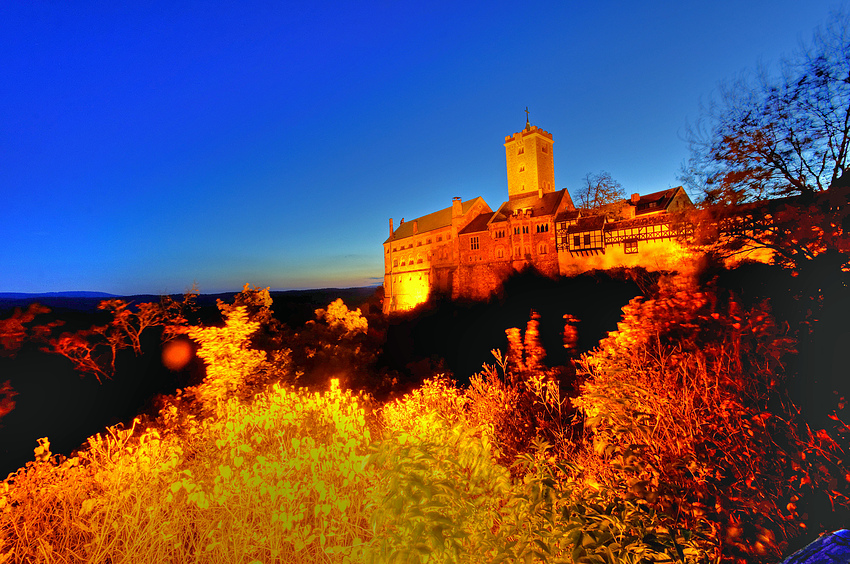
689 386
685 458
340 318
438 395
280 479
226 353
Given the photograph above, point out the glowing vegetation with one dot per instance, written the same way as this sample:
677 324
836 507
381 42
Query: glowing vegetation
671 442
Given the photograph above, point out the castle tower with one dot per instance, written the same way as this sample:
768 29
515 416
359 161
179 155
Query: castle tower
531 167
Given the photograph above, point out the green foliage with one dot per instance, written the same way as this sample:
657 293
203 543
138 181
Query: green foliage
437 495
555 516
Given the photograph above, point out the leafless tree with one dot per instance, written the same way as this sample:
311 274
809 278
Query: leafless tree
770 135
600 191
780 133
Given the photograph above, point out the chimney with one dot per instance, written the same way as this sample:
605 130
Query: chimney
391 227
415 226
635 199
457 207
401 222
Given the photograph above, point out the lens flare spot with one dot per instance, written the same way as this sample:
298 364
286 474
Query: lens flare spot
176 354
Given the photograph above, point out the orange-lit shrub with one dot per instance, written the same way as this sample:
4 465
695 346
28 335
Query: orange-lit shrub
337 344
340 318
229 359
520 398
438 395
279 479
690 389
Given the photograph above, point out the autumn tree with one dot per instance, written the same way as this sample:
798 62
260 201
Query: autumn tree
256 301
94 350
21 327
780 134
600 193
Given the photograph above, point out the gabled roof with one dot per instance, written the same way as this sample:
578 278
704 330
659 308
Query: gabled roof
592 223
568 215
478 224
657 201
547 205
432 221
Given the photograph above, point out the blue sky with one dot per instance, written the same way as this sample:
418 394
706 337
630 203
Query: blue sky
145 146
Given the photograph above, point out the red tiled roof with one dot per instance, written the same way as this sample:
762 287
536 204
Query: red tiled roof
432 221
547 205
478 224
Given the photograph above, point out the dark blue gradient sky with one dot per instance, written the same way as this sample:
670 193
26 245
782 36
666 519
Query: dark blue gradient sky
145 146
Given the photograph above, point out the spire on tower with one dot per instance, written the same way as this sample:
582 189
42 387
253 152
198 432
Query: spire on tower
527 124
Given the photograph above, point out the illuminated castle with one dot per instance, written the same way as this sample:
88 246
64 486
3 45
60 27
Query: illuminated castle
468 250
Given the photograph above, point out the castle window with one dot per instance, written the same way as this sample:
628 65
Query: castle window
587 239
545 149
527 250
500 252
395 263
522 168
542 249
473 243
419 259
418 243
520 151
525 228
543 228
516 251
576 240
439 238
448 236
516 230
428 242
388 250
402 262
631 247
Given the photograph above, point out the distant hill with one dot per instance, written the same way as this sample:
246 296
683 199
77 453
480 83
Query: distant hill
26 296
292 306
